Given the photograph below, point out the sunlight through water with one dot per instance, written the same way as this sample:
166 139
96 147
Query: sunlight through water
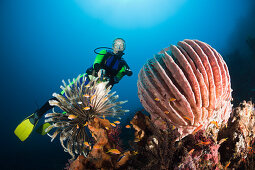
131 13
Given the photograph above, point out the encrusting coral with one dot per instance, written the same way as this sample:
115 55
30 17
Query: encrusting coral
159 149
99 157
154 147
218 147
239 146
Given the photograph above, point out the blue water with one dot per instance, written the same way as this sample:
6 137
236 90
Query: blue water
44 42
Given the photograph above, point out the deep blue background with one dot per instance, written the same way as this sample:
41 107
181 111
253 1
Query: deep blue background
44 42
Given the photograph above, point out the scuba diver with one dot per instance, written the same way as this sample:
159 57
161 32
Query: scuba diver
111 63
108 62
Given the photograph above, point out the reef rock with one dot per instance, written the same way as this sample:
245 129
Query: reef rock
99 156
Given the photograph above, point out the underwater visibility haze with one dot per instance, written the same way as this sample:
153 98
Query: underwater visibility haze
45 42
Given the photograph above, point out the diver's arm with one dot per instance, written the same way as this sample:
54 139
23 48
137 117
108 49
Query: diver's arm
125 70
98 60
128 71
40 112
119 75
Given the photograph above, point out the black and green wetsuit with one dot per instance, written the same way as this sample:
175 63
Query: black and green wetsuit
115 66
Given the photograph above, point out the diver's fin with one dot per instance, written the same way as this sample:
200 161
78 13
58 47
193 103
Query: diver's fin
24 129
41 129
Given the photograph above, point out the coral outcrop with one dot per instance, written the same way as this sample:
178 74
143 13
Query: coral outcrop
99 157
239 146
159 149
219 147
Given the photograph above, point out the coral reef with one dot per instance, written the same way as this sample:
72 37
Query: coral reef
239 146
82 104
159 149
154 146
114 137
99 156
78 164
186 90
218 147
189 86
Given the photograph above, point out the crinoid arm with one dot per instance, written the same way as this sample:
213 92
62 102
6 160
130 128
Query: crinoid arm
81 103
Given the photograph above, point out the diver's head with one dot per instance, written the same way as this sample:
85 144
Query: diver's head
118 45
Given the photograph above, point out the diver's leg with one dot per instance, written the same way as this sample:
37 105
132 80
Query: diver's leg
25 128
40 112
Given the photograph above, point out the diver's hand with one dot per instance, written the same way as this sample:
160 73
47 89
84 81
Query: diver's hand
116 80
128 72
101 73
106 79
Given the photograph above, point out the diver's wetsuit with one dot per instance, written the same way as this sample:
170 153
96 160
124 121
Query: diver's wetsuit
40 112
115 68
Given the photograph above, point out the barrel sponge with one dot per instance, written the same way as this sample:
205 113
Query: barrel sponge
187 85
